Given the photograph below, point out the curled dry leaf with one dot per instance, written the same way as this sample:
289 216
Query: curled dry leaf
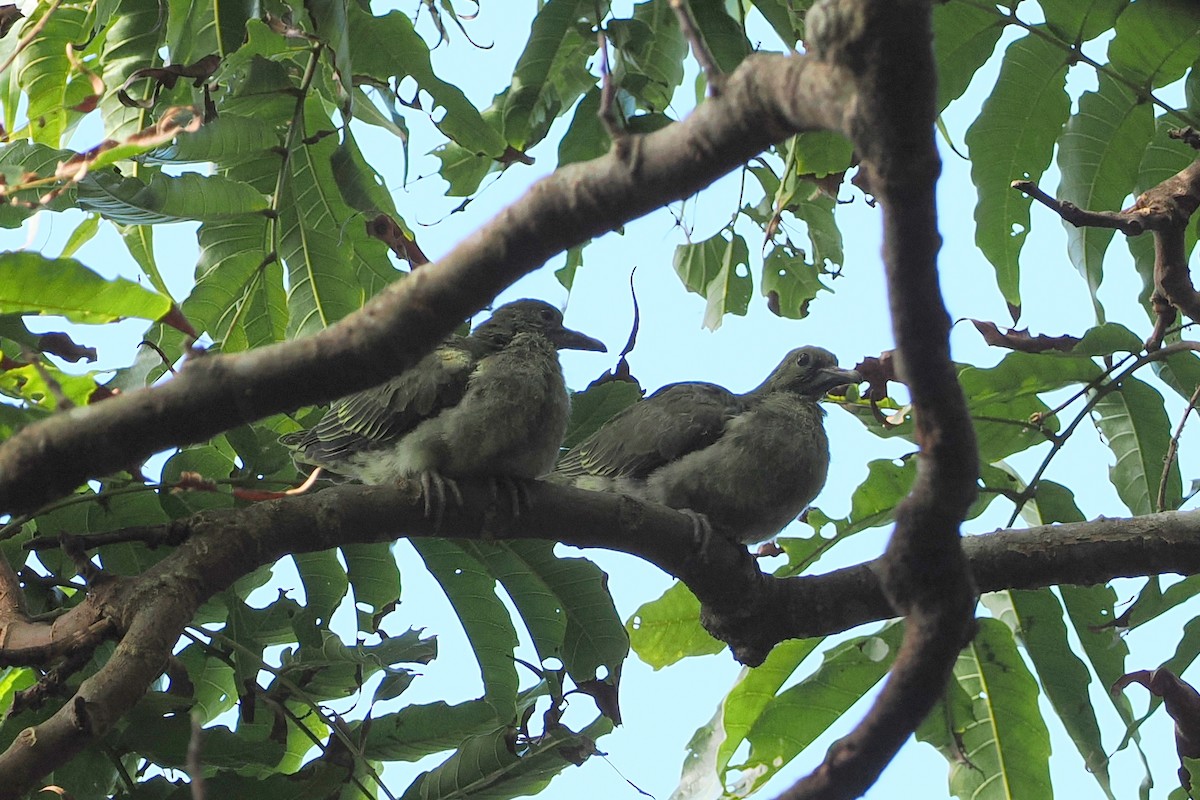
1182 702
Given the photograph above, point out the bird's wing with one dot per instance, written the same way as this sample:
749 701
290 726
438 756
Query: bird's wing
384 413
672 422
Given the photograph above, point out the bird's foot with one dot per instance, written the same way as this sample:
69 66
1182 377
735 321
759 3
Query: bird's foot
518 493
702 529
433 489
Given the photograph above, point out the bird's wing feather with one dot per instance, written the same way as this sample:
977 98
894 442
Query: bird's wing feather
386 412
672 422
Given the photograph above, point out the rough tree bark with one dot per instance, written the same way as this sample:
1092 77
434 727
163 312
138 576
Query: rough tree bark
870 76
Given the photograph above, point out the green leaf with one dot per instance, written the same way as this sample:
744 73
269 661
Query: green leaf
325 584
1081 20
592 408
649 54
471 589
84 232
790 283
999 724
225 140
585 137
1013 138
1137 430
322 285
964 37
132 39
388 46
795 717
485 767
722 34
668 629
372 571
786 17
22 157
420 730
718 270
706 763
190 196
238 297
551 73
1098 156
1036 618
1156 42
30 283
43 69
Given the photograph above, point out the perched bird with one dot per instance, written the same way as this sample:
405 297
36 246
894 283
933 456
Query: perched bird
743 464
492 404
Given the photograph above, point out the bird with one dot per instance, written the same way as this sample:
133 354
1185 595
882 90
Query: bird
492 405
744 465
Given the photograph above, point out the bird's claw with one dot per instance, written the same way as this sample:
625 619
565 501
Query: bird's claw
702 529
433 489
518 493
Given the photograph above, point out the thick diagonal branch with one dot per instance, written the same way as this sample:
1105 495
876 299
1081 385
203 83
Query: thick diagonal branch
765 100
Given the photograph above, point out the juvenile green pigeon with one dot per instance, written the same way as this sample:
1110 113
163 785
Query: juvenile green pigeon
492 404
742 464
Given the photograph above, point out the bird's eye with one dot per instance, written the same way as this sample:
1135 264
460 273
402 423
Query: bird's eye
801 359
547 315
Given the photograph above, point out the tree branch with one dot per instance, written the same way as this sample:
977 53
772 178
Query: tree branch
749 610
768 98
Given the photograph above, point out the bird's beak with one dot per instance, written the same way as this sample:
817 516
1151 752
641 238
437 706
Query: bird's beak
567 339
833 377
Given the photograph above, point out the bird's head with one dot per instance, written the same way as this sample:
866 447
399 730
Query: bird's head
534 316
809 371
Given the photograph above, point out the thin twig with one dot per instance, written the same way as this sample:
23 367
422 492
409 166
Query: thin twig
1172 450
1081 217
687 24
1099 393
608 92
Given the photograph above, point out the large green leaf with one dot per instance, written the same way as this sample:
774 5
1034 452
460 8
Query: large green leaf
1036 618
322 287
668 629
713 745
190 196
791 720
31 283
325 583
1156 42
564 603
1098 157
471 589
649 54
375 578
1013 138
718 270
43 70
389 47
1137 430
486 767
993 719
226 140
131 42
1081 20
420 730
723 35
238 297
551 73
